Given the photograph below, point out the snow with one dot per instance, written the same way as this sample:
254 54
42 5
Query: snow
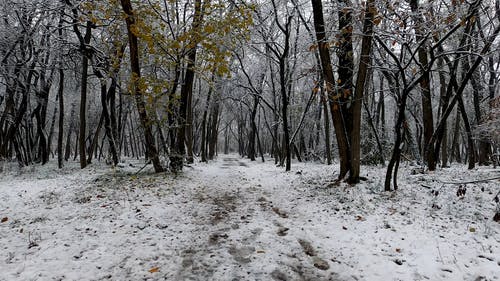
233 219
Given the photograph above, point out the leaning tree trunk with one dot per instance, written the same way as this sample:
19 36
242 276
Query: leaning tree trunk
107 124
326 65
152 152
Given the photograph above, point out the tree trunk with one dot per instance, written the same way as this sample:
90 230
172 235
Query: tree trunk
345 70
214 133
477 90
94 140
425 87
326 65
107 124
253 129
204 125
375 133
177 157
136 74
83 96
364 64
60 133
67 150
470 142
326 117
259 144
396 154
189 127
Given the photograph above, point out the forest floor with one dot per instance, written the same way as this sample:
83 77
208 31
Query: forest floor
233 219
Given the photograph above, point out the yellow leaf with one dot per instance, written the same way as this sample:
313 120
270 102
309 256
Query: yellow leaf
347 93
154 269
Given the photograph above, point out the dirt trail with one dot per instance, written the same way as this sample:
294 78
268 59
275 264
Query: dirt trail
246 220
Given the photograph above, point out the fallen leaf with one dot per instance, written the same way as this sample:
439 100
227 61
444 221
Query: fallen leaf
260 251
360 218
344 228
398 250
4 219
154 269
472 229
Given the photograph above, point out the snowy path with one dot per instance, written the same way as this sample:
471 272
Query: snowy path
239 220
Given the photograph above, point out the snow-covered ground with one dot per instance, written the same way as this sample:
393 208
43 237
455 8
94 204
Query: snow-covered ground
233 219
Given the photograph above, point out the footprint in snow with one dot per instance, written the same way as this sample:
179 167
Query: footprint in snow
280 213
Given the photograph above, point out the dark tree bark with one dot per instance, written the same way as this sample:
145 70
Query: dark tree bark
428 121
326 117
40 112
204 125
152 152
361 79
282 56
83 95
189 128
67 150
84 41
448 102
345 70
459 89
107 122
375 133
326 65
455 144
60 133
94 139
477 90
171 108
179 151
253 129
214 130
107 95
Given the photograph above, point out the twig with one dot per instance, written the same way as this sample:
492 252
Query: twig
474 181
147 163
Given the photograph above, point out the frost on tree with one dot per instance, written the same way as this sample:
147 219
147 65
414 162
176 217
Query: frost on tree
489 128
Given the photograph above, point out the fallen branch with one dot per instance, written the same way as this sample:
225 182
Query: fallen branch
147 163
466 182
